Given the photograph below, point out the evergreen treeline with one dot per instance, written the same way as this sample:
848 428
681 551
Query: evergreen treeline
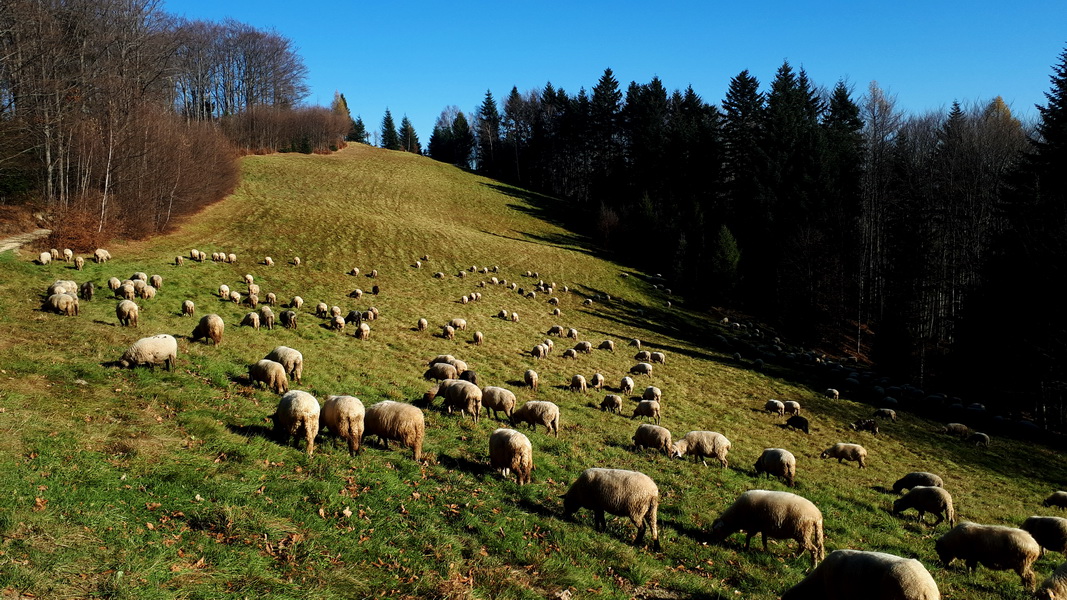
121 117
840 219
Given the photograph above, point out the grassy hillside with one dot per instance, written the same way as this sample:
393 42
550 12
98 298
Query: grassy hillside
153 484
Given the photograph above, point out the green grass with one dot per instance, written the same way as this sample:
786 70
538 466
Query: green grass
148 484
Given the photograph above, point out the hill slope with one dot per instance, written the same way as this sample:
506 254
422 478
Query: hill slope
145 484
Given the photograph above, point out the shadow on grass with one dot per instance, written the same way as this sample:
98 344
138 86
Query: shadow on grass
463 464
253 431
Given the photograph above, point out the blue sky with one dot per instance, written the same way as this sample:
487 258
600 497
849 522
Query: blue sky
416 58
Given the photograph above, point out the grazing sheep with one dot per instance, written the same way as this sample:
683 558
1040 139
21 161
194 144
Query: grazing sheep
45 257
556 312
114 284
266 317
441 358
641 369
530 377
979 439
272 299
396 421
63 304
356 293
127 313
956 429
460 395
658 357
832 394
572 333
612 403
297 411
778 515
55 254
231 258
607 345
1055 586
251 320
151 351
288 319
865 425
440 372
209 327
495 399
422 325
510 450
653 436
448 332
343 416
626 385
296 261
87 291
791 407
468 375
338 324
778 462
843 452
1049 532
126 291
618 492
583 347
514 317
270 374
194 254
554 330
636 343
188 308
68 255
148 292
224 292
916 479
701 445
652 393
549 345
885 413
798 422
1056 499
569 353
928 499
578 384
538 412
643 356
459 324
775 407
993 546
362 331
322 310
156 281
101 256
597 381
268 261
849 574
235 297
79 263
292 360
296 302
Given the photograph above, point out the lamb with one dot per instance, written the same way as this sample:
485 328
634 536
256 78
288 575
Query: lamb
798 422
290 359
344 415
538 412
778 462
597 381
848 574
652 393
916 479
496 399
288 319
578 384
127 313
63 304
957 429
530 377
653 436
778 515
928 499
584 347
391 420
209 327
842 452
865 425
996 547
269 373
251 320
297 411
885 413
1056 499
775 407
1055 586
151 351
86 291
607 345
791 407
510 450
612 403
642 368
703 444
1049 532
618 492
658 357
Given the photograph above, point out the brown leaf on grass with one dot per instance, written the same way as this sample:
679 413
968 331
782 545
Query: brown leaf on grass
39 504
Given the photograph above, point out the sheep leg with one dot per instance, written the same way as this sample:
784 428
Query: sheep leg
599 522
1027 576
763 534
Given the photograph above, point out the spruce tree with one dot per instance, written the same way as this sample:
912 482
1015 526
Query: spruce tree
359 132
488 136
409 140
390 137
462 140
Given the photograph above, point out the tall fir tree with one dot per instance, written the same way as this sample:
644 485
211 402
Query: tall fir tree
390 136
359 131
605 143
487 134
409 140
463 141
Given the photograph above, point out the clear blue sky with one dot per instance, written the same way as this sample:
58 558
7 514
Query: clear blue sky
416 58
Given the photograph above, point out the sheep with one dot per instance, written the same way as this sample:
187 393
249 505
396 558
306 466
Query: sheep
626 385
362 332
928 499
956 429
86 291
703 444
422 325
514 317
607 345
126 291
569 353
296 261
791 407
578 384
554 330
344 416
127 313
269 373
1055 586
885 413
458 364
441 358
297 411
538 412
268 261
597 381
114 284
458 324
658 357
55 254
272 299
612 403
79 263
865 425
288 319
460 395
572 333
292 360
251 320
556 312
775 407
63 304
652 393
440 372
448 332
188 308
156 281
994 546
797 422
439 275
194 254
848 574
356 293
778 515
618 492
391 420
45 257
322 310
354 272
1049 532
231 258
296 302
470 376
530 378
583 347
636 343
68 255
843 452
210 327
643 355
496 399
510 450
549 345
778 462
101 256
63 286
140 275
916 479
224 292
1056 499
979 439
641 369
832 394
151 351
653 436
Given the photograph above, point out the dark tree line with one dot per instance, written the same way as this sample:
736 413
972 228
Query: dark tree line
840 219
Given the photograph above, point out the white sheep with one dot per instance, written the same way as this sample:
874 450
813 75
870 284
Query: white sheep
397 421
626 385
607 345
44 258
777 515
498 399
291 359
583 347
642 368
850 574
296 302
578 384
511 451
362 331
842 452
597 381
344 416
915 479
572 333
653 436
993 546
612 403
1056 499
956 429
251 320
156 281
266 317
647 408
63 304
652 393
618 492
1049 532
778 462
151 351
658 357
928 499
297 411
224 292
569 353
270 374
268 261
188 308
127 313
448 332
776 407
79 263
643 356
440 372
422 325
322 310
886 413
68 255
210 327
832 394
701 445
538 412
114 284
460 395
530 378
791 407
1055 587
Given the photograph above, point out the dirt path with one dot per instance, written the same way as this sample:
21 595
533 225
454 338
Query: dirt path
16 241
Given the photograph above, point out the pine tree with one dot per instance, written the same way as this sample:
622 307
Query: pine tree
390 137
409 140
488 136
462 140
359 132
605 145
